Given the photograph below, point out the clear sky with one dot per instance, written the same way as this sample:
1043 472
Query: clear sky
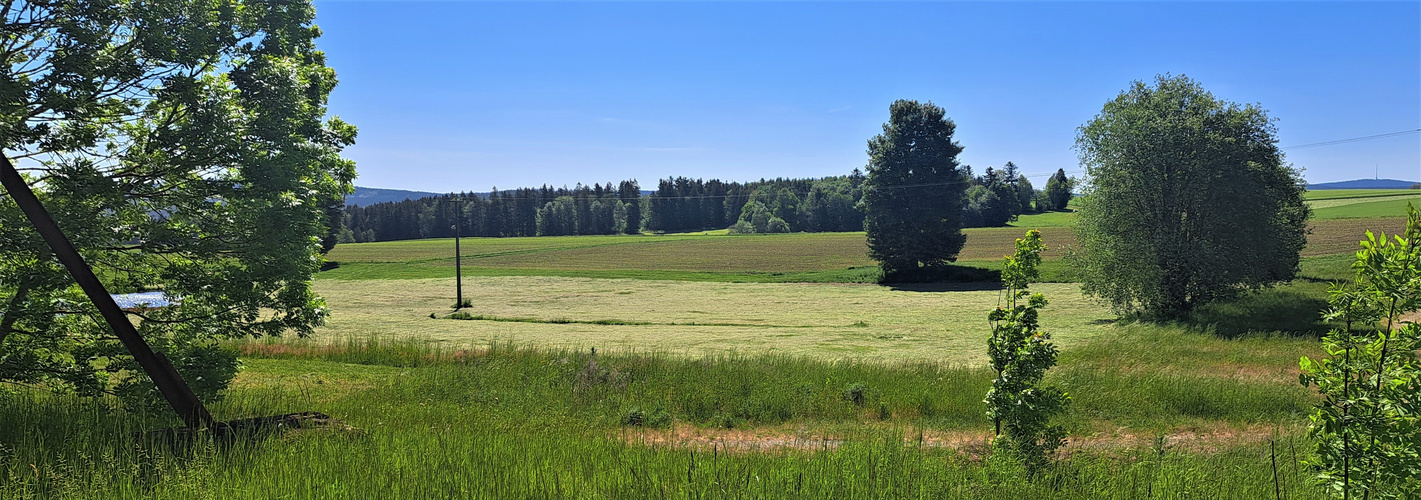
463 96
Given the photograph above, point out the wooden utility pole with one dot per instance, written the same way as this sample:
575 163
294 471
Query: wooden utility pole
157 366
458 263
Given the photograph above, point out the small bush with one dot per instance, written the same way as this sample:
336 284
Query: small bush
741 227
634 417
208 368
857 393
638 417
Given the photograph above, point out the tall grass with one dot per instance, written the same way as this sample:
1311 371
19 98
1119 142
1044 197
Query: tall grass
419 459
503 421
1165 384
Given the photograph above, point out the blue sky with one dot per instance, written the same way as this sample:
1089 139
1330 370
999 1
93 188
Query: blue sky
453 96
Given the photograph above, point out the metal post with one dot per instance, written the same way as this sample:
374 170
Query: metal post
157 366
458 263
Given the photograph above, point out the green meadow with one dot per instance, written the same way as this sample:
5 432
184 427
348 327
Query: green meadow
706 365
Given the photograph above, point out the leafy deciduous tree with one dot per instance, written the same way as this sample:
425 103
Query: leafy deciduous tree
1189 200
183 146
1058 191
1021 353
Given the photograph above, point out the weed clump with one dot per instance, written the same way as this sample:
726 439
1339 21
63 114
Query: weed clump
637 417
592 376
857 393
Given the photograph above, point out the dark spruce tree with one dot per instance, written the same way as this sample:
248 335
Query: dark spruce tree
1190 200
913 195
630 194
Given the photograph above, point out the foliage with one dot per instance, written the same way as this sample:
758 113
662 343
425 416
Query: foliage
1025 194
1368 427
679 204
914 191
755 217
997 197
207 368
985 208
857 393
1020 354
183 147
1058 191
629 193
1189 200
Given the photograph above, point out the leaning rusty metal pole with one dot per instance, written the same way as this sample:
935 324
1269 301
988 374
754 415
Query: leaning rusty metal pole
177 392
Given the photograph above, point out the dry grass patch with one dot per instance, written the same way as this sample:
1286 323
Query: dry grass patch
1214 437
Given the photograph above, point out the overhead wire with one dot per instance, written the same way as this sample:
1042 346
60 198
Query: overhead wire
1072 172
1040 175
1354 139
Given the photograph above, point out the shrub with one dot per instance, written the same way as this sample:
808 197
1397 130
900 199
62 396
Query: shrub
638 417
207 367
856 393
1020 354
1367 429
634 417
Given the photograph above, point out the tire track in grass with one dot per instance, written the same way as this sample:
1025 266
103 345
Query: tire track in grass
619 322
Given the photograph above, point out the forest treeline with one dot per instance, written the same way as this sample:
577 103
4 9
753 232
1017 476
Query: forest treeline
677 205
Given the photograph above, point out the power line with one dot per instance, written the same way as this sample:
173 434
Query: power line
1354 139
1040 175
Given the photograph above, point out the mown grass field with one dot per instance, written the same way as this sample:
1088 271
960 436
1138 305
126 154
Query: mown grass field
925 323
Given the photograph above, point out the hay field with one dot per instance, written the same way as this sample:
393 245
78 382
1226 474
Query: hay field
833 321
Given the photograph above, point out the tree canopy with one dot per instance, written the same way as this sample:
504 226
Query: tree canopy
913 196
184 147
1189 200
1057 192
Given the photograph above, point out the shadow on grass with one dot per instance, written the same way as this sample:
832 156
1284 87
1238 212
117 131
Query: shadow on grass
1290 312
945 278
974 286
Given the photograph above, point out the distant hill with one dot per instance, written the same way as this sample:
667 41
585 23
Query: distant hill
364 196
1364 184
